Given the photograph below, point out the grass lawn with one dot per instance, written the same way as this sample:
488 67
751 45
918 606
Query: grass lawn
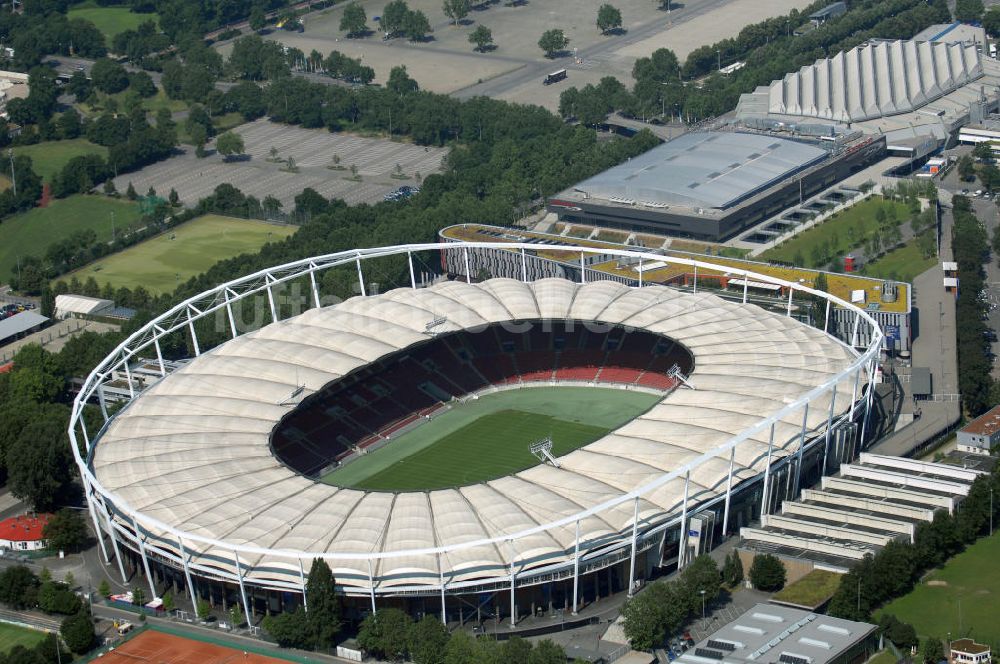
31 233
811 590
834 237
110 20
884 657
14 635
489 437
963 597
901 264
159 263
48 158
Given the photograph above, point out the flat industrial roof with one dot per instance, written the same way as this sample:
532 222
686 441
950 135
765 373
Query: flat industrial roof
19 323
771 633
702 170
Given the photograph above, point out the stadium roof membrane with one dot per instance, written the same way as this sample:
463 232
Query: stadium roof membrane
193 450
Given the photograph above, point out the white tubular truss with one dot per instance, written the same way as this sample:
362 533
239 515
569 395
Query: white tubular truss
181 318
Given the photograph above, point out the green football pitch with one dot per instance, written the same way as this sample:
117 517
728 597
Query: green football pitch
488 437
14 635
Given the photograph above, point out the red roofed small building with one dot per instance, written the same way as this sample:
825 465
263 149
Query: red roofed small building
981 434
6 368
23 533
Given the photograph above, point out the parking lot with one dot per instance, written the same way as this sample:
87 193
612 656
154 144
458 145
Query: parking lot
513 71
313 152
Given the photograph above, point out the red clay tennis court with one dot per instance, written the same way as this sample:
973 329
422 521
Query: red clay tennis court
152 647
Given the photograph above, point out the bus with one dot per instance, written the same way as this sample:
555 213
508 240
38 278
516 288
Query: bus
555 77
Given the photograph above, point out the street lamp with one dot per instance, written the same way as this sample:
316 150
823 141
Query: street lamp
702 593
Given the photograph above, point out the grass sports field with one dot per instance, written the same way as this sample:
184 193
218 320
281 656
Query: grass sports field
110 20
962 598
48 158
13 635
31 233
489 437
161 262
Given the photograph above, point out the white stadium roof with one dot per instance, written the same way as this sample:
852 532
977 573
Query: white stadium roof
193 450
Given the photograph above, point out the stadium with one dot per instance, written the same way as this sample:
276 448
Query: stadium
491 445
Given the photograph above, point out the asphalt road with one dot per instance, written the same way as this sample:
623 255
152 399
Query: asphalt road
536 71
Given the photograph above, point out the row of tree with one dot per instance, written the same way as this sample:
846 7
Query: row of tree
21 589
663 86
971 247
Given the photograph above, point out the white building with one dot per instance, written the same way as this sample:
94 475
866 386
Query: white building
981 434
78 306
23 533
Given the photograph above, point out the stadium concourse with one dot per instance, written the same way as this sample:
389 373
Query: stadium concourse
189 478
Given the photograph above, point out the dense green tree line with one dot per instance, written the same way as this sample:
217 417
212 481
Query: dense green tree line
970 247
393 635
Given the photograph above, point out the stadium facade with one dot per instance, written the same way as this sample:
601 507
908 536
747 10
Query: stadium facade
187 482
711 185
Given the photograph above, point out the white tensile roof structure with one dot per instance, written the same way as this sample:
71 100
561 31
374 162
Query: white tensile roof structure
193 450
875 80
69 304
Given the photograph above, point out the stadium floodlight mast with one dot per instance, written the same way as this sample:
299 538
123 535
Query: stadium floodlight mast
126 524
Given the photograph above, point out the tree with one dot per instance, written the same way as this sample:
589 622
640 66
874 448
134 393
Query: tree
552 42
173 198
608 18
386 633
654 612
400 81
138 596
79 86
130 192
17 585
78 632
38 460
701 576
428 639
732 570
767 573
969 11
932 650
108 76
354 21
324 605
65 531
547 652
69 124
290 630
393 16
168 602
271 205
482 37
229 144
203 609
142 84
415 25
258 19
983 151
456 10
104 588
236 617
991 22
966 168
